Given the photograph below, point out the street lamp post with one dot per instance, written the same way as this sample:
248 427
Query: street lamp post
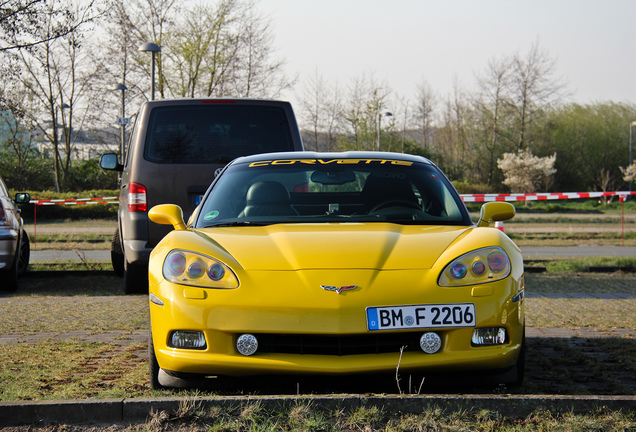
380 115
122 120
154 49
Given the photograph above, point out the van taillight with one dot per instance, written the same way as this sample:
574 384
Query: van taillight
137 198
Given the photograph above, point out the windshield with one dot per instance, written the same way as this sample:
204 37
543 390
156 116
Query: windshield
336 190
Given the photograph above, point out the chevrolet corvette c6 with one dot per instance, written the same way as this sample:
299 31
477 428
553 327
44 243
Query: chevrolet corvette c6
334 263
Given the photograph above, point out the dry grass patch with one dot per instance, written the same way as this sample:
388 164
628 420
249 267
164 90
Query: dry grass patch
62 314
71 370
568 282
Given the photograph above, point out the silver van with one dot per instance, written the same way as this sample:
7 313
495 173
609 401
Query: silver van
175 148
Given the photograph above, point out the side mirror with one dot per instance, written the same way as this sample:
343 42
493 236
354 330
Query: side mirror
495 212
167 214
22 198
110 161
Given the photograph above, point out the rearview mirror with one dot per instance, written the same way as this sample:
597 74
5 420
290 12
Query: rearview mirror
167 214
110 161
495 212
333 177
22 198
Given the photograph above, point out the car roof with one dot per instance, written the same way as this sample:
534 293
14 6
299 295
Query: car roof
332 155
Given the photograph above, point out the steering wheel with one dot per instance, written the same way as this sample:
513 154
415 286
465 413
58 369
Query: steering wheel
395 203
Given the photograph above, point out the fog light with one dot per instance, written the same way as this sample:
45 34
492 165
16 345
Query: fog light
430 343
187 340
247 344
489 336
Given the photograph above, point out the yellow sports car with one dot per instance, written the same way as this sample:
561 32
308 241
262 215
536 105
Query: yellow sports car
334 263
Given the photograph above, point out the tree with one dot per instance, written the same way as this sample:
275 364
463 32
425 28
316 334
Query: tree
200 53
532 89
57 76
16 148
333 115
28 23
425 105
367 98
313 104
590 141
525 173
455 135
220 48
492 104
257 73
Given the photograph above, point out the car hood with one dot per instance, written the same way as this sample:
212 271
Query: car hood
335 246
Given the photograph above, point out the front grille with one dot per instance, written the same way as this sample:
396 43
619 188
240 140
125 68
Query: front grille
338 345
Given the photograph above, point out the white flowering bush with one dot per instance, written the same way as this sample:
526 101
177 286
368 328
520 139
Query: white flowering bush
629 173
524 172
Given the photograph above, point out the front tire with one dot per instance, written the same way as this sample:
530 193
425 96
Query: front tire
521 363
25 254
153 365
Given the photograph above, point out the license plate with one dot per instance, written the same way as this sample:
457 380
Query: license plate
421 316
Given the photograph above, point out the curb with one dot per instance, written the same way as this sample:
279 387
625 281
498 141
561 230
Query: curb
128 411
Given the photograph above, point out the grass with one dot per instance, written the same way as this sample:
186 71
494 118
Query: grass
95 234
572 239
71 370
63 241
570 313
69 313
301 416
580 282
70 266
573 265
573 313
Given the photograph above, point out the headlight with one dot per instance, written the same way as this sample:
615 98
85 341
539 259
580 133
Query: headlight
193 269
477 267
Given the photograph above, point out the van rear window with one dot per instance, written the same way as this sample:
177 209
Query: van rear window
215 133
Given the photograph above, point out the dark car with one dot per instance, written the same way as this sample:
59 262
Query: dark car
14 242
175 149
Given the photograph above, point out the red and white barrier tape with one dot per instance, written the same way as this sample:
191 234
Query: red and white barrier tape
542 196
77 201
465 198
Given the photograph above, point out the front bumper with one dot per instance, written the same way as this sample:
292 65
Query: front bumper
293 304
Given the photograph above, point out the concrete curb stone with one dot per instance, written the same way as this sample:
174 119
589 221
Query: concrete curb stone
130 411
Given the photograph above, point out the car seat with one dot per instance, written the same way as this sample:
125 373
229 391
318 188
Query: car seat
267 198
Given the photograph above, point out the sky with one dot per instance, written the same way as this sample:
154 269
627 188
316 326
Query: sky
403 42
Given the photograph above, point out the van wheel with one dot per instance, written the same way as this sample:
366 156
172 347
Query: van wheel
135 278
117 254
25 254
